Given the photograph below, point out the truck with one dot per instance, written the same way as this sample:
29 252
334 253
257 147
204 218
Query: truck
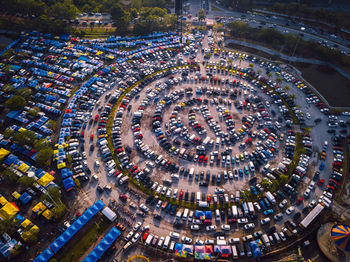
203 204
234 211
265 239
234 252
270 197
245 208
206 141
166 242
251 208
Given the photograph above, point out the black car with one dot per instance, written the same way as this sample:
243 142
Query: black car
158 217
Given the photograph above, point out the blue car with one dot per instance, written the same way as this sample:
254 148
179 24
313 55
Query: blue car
322 166
268 212
262 204
246 171
240 171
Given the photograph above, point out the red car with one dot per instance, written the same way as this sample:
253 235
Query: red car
123 197
96 117
181 194
208 198
92 137
205 160
200 159
299 201
321 182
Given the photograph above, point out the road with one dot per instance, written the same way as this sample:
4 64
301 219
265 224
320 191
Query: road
278 23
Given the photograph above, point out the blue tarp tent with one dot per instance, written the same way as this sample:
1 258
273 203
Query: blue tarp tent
74 228
255 249
68 183
25 198
46 255
102 247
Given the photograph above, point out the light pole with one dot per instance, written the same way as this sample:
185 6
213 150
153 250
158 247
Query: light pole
297 42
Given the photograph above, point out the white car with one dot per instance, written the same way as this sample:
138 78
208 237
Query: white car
97 163
186 240
137 226
127 238
195 227
283 204
135 238
265 221
174 235
289 210
225 227
249 226
307 193
209 242
210 228
242 220
159 204
199 242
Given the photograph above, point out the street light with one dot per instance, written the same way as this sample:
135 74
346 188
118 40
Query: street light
296 44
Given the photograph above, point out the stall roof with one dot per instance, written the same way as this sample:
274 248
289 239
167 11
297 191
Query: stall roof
109 213
102 247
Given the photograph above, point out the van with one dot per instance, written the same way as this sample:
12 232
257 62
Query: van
198 197
217 215
203 204
172 246
179 214
185 214
251 167
190 216
149 240
234 211
234 252
277 237
123 180
166 242
265 239
160 242
191 173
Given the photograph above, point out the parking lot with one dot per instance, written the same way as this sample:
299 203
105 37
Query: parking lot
208 135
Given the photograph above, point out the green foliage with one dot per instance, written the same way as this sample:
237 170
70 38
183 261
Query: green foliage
69 159
26 181
15 102
25 137
58 211
8 132
7 226
77 182
201 15
52 124
44 156
10 175
34 111
24 92
338 18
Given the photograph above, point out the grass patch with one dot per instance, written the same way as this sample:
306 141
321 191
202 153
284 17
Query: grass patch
85 242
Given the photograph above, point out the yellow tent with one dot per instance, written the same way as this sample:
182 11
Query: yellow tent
3 153
16 194
8 211
26 223
3 201
45 179
61 165
39 208
47 214
24 168
27 234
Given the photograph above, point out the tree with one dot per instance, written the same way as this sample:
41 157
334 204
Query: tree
269 75
8 132
34 111
283 179
15 102
259 71
10 175
240 58
266 184
292 96
77 182
58 211
201 15
44 156
279 80
286 88
251 65
25 137
26 181
24 92
52 124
